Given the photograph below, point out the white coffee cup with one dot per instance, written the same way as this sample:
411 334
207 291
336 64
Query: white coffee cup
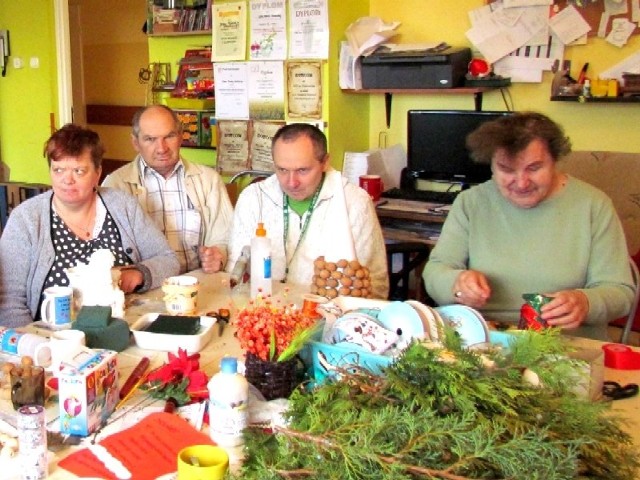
56 307
62 345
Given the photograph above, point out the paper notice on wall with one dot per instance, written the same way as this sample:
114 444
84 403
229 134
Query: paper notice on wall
367 33
355 164
388 163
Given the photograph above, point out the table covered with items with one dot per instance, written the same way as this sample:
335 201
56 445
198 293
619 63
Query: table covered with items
374 389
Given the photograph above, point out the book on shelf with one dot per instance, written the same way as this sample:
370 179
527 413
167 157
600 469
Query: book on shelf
181 20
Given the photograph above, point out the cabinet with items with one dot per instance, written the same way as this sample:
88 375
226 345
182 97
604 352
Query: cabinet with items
171 17
192 98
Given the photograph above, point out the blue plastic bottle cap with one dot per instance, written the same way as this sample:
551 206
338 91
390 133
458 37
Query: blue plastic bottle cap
229 365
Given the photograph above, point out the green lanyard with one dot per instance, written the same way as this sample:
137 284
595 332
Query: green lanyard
305 225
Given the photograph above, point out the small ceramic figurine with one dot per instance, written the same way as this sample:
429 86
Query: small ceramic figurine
97 283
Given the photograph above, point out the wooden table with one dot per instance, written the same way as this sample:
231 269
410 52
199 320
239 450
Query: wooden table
402 220
215 293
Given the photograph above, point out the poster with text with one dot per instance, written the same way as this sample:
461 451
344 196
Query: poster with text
266 90
262 134
233 146
268 31
229 32
308 29
304 89
231 90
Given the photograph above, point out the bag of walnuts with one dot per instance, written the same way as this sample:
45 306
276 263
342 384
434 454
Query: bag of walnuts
344 278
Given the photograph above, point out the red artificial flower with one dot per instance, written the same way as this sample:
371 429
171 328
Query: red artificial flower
197 388
180 379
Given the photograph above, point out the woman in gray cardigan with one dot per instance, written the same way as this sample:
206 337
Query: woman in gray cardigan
53 231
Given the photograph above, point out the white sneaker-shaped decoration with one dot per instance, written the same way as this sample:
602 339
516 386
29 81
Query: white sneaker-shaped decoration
97 283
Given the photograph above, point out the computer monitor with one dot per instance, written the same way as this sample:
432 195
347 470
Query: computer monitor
437 146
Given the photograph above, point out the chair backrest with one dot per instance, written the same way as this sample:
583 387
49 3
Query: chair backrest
634 306
238 182
413 257
618 175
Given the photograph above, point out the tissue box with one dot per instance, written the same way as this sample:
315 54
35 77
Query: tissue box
88 392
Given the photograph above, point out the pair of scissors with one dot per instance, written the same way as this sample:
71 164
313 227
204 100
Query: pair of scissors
615 391
222 317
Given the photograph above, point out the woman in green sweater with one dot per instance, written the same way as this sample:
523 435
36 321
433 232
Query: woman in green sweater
532 229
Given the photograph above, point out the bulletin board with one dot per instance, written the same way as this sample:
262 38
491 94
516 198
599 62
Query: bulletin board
593 10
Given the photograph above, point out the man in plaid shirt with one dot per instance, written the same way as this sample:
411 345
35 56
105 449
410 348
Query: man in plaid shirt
187 201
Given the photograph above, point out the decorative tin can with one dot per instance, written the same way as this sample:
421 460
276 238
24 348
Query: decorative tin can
32 440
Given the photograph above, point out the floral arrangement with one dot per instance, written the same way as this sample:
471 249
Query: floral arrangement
180 378
273 331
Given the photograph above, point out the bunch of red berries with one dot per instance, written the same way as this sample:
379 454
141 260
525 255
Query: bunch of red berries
267 330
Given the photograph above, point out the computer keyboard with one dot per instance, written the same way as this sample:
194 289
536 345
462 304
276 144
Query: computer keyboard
421 195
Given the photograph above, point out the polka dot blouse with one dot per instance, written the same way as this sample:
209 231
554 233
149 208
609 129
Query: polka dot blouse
70 249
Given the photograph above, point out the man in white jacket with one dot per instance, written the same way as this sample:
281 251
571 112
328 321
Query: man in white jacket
309 210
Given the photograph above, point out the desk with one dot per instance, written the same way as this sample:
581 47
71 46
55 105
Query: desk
410 220
215 294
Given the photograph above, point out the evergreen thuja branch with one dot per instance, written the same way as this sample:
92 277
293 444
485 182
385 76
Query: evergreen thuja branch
325 443
428 472
320 441
460 420
300 472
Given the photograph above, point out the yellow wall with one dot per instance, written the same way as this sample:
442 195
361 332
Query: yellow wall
590 126
27 95
348 116
115 51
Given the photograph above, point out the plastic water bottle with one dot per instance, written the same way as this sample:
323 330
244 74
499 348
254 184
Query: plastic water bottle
20 343
228 404
260 263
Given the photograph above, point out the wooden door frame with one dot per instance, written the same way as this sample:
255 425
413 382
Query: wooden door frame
63 62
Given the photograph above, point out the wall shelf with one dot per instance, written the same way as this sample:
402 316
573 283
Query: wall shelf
581 99
389 92
180 34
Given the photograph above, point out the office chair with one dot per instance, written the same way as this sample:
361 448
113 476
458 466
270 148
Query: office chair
254 174
237 182
414 255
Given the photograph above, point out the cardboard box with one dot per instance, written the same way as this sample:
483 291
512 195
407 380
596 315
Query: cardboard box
165 20
88 391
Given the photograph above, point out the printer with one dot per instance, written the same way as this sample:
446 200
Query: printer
438 67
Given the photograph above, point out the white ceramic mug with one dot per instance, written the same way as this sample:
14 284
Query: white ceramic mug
57 305
62 345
